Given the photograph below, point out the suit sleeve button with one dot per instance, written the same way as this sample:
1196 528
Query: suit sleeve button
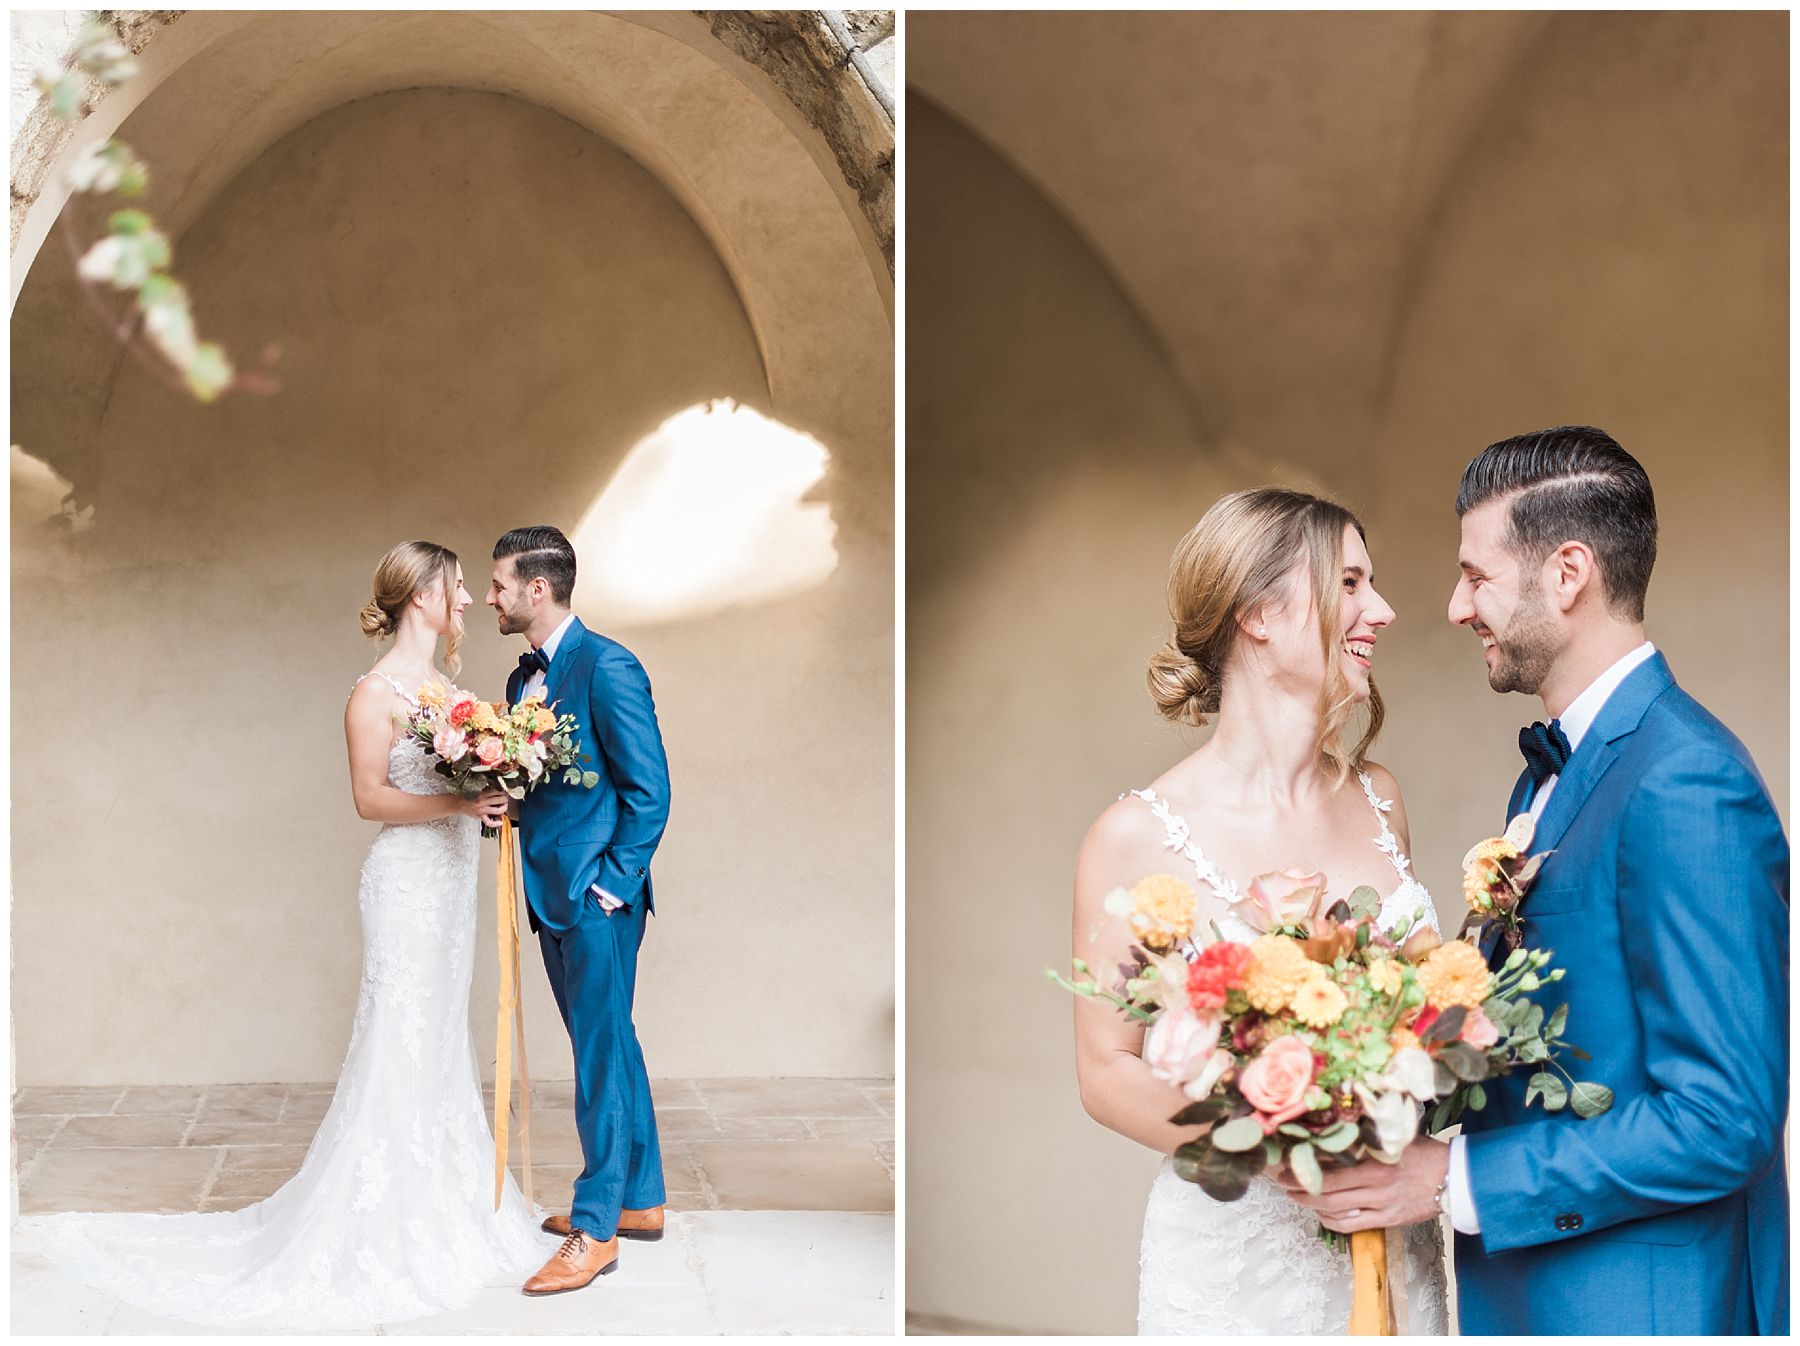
1574 1222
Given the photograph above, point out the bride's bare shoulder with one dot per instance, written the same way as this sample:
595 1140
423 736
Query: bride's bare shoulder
1126 831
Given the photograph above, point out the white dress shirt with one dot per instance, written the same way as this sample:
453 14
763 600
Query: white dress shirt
535 684
1574 722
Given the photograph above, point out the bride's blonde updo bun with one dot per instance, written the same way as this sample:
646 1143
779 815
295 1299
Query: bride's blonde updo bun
1234 561
376 624
1182 687
409 569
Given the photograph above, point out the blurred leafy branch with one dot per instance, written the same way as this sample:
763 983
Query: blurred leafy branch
134 256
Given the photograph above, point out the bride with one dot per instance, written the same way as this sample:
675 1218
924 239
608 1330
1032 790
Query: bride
391 1215
1276 619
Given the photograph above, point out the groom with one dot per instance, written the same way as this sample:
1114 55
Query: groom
1665 899
587 889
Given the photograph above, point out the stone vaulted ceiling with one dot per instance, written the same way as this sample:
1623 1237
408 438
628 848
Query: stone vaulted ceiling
1261 185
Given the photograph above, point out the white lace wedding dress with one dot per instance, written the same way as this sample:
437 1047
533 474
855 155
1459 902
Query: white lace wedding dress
391 1215
1257 1265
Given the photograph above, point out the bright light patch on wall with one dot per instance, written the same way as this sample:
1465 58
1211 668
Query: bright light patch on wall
706 513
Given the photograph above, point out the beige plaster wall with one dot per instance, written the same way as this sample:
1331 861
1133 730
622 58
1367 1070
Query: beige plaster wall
1609 245
484 307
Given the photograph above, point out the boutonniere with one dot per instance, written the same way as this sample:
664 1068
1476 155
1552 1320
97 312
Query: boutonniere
1496 874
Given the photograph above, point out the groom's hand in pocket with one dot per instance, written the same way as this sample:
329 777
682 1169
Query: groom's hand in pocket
1374 1195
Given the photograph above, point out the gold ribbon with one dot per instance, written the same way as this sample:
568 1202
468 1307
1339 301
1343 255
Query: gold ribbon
513 1008
1371 1297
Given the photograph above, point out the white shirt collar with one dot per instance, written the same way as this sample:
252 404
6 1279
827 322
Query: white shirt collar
1579 717
549 646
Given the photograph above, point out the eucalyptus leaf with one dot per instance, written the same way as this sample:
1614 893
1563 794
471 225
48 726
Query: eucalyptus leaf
1556 1097
1338 1139
1590 1099
1295 1130
1558 1021
1225 1184
1477 1097
1306 1167
1198 1114
1464 1062
1440 1115
1238 1135
1447 1026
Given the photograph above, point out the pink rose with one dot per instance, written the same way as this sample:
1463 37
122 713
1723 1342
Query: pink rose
1479 1031
1179 1046
1286 897
450 744
489 751
1276 1083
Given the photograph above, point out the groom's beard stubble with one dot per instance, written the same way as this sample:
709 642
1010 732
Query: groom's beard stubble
511 623
1527 651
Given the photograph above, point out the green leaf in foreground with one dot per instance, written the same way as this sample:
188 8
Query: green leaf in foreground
1238 1135
1589 1099
1556 1097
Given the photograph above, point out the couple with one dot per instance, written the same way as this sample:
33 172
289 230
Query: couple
1664 897
392 1214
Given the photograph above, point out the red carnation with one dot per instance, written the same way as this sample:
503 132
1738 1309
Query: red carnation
1221 967
461 713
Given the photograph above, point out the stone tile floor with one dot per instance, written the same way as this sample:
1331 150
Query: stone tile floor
784 1189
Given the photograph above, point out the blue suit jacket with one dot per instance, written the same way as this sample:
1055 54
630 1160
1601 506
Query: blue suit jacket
572 837
1666 903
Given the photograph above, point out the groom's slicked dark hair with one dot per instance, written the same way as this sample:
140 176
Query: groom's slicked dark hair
541 551
1572 483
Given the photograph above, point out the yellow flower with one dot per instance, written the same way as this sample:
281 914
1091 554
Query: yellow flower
1385 977
1279 967
1163 909
1478 886
535 697
1455 974
544 721
1318 1003
433 695
485 717
1494 848
1402 1038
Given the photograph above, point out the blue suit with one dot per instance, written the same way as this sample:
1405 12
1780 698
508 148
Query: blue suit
570 839
1666 902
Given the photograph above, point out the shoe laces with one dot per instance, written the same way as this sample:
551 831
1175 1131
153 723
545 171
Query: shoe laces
572 1246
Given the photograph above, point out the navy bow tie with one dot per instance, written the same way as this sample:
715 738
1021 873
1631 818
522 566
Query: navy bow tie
1546 750
534 661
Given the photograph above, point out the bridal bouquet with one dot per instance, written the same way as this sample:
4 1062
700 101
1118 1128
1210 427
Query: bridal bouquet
488 743
1325 1041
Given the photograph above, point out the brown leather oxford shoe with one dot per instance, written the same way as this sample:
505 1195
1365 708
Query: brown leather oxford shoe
577 1262
646 1226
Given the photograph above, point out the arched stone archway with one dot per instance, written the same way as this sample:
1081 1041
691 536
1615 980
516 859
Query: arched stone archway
506 254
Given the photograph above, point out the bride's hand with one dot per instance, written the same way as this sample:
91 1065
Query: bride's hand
489 807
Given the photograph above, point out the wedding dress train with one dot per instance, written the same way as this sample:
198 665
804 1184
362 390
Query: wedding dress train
391 1215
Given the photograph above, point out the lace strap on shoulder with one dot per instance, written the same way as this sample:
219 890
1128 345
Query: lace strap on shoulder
1387 843
389 679
1179 837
